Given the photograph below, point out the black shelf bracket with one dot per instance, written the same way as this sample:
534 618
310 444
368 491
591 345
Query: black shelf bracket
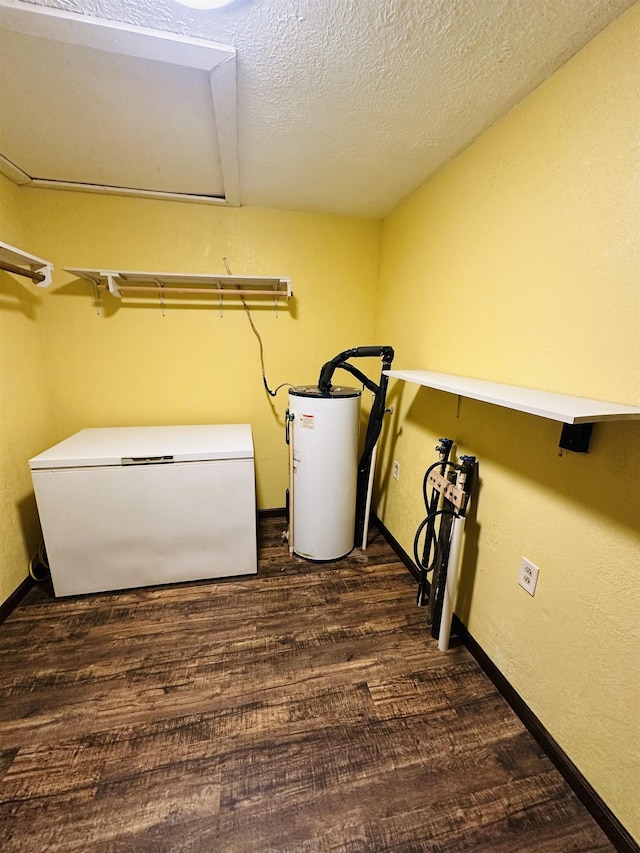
575 437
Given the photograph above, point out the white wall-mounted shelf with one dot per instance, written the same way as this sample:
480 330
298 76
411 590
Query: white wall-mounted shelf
573 411
121 283
22 263
546 404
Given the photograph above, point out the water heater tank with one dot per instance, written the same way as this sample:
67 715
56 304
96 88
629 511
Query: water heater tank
323 431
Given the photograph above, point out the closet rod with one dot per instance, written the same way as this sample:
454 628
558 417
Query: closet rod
37 277
222 291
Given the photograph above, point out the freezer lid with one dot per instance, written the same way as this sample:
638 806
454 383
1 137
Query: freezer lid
136 445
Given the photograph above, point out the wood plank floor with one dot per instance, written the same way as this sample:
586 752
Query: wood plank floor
305 709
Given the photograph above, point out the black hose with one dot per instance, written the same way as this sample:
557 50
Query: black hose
424 564
327 370
374 426
359 375
435 553
436 593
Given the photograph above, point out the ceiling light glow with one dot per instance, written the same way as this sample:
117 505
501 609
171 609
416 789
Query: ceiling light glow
205 4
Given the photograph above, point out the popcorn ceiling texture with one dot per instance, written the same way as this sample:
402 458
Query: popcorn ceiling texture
347 106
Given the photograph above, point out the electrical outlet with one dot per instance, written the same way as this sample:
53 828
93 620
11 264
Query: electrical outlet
396 470
528 577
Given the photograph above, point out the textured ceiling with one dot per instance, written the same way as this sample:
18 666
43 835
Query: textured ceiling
346 106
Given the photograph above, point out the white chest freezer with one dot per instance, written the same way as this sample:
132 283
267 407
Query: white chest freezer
135 506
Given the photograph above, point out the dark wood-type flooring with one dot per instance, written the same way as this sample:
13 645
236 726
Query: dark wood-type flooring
306 709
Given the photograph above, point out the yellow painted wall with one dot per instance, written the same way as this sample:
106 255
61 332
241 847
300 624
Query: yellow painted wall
520 263
132 366
25 413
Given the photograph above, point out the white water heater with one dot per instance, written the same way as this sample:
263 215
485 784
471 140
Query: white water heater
323 451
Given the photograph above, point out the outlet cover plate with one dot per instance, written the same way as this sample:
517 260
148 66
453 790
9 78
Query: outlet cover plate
528 577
